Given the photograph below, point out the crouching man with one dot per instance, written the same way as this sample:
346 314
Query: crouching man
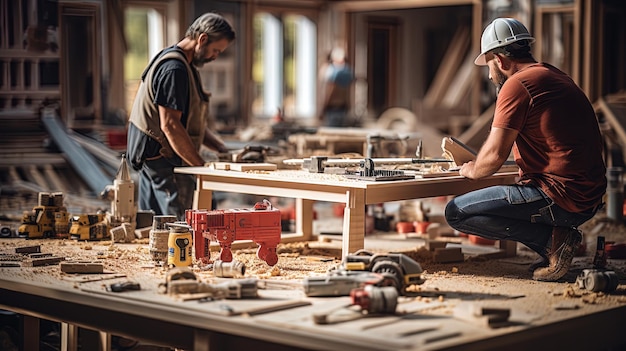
550 125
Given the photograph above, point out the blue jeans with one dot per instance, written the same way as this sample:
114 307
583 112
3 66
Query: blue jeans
335 117
163 191
522 213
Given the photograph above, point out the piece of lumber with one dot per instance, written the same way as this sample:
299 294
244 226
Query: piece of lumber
55 179
82 161
28 249
44 261
477 133
448 254
448 67
10 264
33 174
81 267
40 255
460 85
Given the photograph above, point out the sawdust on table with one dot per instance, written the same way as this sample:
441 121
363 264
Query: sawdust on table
301 259
296 260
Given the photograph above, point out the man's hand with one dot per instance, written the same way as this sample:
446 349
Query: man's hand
467 169
222 149
492 154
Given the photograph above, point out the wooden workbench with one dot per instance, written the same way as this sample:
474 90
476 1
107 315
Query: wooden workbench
282 319
307 188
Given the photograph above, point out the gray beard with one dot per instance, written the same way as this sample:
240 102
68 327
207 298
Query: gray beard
199 63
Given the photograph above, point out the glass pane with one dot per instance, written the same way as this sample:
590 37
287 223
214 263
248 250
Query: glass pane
284 65
267 65
257 64
136 33
300 66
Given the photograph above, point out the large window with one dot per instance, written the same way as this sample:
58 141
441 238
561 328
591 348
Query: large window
284 65
144 29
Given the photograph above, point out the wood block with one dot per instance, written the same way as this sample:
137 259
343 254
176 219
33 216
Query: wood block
509 247
118 234
448 254
10 264
82 267
28 249
43 261
39 255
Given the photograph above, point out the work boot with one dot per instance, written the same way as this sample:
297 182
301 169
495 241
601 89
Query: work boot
565 242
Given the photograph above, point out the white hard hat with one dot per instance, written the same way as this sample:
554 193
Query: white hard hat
499 33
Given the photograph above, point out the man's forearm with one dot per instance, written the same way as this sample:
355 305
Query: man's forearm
480 168
183 146
178 138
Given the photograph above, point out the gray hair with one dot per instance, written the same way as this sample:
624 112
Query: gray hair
213 25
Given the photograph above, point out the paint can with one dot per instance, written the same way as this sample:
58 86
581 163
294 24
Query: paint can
179 245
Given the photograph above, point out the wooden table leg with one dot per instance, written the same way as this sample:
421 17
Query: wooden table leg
69 337
509 247
353 222
202 198
95 340
30 326
304 218
201 340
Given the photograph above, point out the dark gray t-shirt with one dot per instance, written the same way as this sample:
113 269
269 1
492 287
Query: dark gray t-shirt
170 84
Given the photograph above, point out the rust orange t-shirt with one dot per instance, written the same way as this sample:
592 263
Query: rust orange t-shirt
559 146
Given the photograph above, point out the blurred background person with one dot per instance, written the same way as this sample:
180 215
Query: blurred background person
337 78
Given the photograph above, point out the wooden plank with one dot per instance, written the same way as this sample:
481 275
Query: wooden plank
37 177
13 175
448 67
31 159
44 261
244 167
54 178
460 86
477 133
28 249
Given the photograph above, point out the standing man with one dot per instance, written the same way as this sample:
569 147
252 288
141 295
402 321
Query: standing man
168 119
550 125
337 78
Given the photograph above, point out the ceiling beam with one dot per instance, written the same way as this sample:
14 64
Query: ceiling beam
375 5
